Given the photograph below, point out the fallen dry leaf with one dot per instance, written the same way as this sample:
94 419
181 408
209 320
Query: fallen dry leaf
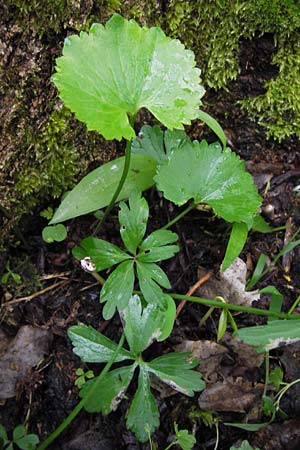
236 396
23 353
230 285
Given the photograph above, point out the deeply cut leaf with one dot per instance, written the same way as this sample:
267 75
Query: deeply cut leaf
117 289
110 392
175 370
275 334
94 191
133 221
155 247
143 413
209 175
113 71
102 253
92 347
142 326
149 275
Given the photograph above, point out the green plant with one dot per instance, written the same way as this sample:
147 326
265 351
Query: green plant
141 67
10 275
82 377
20 438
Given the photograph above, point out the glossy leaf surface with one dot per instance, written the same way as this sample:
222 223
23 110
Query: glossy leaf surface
118 288
142 326
275 334
110 392
237 240
133 221
93 347
175 369
209 175
143 413
95 190
102 253
108 74
155 247
149 279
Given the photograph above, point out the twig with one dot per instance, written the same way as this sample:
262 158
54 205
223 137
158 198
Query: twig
36 294
199 283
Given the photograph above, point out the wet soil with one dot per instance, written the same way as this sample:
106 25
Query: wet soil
47 394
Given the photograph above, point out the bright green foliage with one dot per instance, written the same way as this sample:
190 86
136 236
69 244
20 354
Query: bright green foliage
275 334
175 369
118 288
143 414
208 175
10 275
54 233
112 72
276 377
237 240
184 439
82 377
142 327
94 191
92 346
276 299
22 440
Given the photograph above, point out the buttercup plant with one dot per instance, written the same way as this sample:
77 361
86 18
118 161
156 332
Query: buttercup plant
105 77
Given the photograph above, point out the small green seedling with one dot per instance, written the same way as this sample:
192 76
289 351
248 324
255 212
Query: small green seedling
83 376
244 446
20 439
10 275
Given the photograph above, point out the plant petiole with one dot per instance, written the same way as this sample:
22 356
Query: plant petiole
179 216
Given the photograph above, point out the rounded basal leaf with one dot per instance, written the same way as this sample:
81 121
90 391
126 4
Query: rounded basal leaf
105 76
209 175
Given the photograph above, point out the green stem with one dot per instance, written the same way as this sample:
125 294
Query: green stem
121 182
85 400
177 218
294 305
230 306
267 369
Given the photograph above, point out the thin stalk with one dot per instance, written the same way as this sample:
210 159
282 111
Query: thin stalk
121 182
294 305
84 401
177 218
230 306
267 369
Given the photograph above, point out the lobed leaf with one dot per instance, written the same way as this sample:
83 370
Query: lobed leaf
117 289
133 221
94 191
154 248
275 334
110 73
209 175
110 392
184 439
175 370
56 233
143 413
151 291
93 347
142 326
102 253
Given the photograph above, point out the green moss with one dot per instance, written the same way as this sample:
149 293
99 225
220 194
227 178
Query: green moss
52 167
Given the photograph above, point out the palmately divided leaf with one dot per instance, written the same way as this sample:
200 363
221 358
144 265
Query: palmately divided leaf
110 392
102 253
94 191
92 347
142 326
117 289
175 370
156 144
155 247
185 440
148 278
133 221
209 175
113 71
143 413
276 333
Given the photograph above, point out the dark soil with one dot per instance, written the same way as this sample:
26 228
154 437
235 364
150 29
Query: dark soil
47 394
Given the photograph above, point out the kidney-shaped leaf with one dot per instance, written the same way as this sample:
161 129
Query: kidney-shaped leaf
209 175
276 333
108 74
95 190
175 370
91 346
